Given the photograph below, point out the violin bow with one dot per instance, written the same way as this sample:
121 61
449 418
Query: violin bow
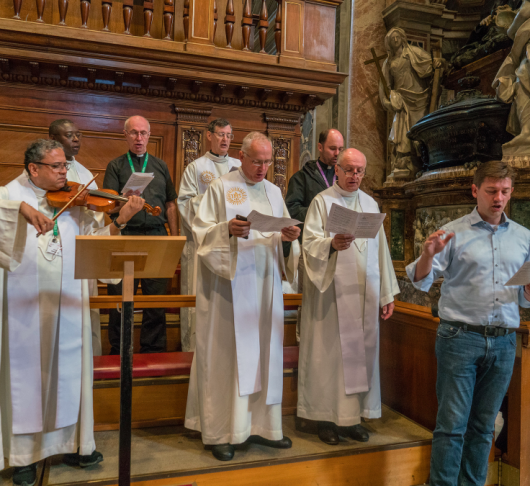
69 203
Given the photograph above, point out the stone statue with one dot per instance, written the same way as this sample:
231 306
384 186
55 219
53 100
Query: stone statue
512 85
407 71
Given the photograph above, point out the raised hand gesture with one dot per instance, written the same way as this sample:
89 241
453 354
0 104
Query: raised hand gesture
434 244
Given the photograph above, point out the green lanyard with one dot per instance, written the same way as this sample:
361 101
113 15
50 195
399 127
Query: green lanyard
132 166
55 226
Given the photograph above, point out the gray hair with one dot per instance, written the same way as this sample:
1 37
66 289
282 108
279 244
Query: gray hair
127 122
218 122
37 151
254 137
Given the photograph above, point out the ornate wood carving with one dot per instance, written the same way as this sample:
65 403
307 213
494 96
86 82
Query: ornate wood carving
63 74
191 145
218 89
282 124
195 86
127 15
40 10
17 5
215 17
91 77
230 20
6 69
146 80
278 28
118 79
186 19
264 94
286 96
241 91
246 24
281 148
35 72
191 115
148 18
263 25
85 11
169 18
106 7
171 84
63 8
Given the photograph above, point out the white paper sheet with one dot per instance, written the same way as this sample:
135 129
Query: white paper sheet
269 224
138 182
344 221
521 277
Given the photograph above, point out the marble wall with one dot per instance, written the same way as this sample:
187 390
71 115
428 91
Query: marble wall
366 117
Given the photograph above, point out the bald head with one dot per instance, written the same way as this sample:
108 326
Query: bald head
330 144
137 131
350 169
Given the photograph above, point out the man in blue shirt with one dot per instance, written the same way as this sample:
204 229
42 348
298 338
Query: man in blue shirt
475 345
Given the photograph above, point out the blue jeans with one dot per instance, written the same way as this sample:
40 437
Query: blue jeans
473 376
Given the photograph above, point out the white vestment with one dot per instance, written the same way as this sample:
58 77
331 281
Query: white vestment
220 402
44 433
338 367
78 173
195 180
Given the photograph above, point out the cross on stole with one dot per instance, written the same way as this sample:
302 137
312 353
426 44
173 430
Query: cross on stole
376 59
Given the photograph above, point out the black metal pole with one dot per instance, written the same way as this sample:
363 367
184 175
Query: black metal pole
126 355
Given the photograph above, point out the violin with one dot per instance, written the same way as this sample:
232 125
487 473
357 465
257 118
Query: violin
101 200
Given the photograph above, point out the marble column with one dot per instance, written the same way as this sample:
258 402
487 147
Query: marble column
366 118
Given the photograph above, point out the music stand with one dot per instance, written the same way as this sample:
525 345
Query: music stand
127 258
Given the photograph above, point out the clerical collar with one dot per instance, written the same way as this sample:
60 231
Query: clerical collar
324 165
247 180
136 155
344 193
216 158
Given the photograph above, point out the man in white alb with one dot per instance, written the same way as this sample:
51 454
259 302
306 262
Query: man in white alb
45 349
68 135
236 379
195 180
347 282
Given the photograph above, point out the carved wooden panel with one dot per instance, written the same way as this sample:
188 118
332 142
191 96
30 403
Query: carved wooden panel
192 145
281 148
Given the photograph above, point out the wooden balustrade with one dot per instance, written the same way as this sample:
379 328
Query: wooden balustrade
85 11
106 8
200 19
63 8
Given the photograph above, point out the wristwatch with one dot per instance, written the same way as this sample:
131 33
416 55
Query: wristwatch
118 225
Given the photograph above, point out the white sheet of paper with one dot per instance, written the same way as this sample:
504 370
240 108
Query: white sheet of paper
344 221
269 224
138 182
521 277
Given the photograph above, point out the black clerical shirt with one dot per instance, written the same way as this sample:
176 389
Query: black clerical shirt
159 191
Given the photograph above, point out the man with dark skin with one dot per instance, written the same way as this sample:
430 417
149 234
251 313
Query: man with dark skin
69 136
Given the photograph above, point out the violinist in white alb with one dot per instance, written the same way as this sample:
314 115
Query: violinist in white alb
45 340
346 284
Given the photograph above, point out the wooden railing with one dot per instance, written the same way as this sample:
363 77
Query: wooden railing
293 29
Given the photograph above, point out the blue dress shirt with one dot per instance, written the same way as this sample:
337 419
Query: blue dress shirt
475 265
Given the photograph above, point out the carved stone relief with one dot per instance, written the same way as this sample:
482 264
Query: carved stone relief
282 153
428 220
192 145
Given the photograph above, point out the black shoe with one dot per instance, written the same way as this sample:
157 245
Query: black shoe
358 433
25 475
83 461
327 433
284 443
223 452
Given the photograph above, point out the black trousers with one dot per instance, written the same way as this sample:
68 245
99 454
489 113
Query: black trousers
153 331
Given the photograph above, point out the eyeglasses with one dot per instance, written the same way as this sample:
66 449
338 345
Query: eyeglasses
221 135
260 163
55 167
134 133
353 172
70 135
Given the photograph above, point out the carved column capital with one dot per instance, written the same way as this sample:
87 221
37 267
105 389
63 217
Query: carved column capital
192 115
281 123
